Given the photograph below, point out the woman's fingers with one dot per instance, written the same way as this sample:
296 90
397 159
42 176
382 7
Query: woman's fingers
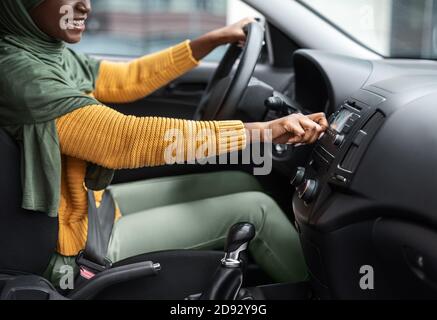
246 21
320 118
237 30
299 129
294 128
295 141
312 130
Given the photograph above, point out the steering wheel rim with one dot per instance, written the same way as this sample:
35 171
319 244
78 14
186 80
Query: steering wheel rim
225 89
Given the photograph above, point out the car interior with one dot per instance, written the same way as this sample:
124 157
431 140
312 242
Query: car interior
362 196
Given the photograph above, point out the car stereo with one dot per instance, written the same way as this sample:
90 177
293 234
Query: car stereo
341 124
338 153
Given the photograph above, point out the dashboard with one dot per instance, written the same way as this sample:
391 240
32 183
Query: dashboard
366 194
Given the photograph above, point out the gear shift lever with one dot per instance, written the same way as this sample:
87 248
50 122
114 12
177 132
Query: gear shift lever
228 279
238 240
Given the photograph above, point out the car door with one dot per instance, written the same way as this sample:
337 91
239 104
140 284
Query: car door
179 99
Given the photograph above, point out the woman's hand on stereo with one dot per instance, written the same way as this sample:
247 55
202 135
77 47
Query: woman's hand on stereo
321 120
295 129
298 129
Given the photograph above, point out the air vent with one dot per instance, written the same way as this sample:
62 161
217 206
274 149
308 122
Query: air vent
351 160
374 123
361 142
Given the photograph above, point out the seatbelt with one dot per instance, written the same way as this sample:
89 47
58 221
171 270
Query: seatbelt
93 259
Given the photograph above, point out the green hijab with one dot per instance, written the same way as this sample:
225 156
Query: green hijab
40 81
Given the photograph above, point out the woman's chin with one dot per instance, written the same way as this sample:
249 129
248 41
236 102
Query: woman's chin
72 38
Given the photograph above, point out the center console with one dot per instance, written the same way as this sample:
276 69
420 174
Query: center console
333 253
338 153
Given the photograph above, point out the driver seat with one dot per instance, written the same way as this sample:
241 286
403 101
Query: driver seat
27 239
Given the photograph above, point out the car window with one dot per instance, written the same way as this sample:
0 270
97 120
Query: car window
139 27
392 28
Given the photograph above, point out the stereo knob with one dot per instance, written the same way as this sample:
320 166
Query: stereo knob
299 177
338 140
308 190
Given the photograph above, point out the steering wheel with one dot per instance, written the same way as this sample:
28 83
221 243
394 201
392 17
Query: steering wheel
226 88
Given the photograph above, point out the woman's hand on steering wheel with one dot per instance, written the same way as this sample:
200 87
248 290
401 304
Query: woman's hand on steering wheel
234 33
295 129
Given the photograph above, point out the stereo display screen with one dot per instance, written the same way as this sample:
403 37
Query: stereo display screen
341 120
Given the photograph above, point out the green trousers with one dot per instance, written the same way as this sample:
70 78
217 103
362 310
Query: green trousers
196 212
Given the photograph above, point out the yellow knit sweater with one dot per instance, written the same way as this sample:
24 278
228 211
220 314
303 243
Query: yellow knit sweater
100 135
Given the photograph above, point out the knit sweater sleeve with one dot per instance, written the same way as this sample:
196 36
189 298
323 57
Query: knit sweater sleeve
103 136
126 82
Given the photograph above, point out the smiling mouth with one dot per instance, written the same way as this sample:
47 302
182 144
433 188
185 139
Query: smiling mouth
77 24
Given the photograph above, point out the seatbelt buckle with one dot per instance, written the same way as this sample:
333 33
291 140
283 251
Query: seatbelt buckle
89 269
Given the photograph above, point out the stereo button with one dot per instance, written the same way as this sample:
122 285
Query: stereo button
308 190
299 178
339 139
347 128
340 178
355 117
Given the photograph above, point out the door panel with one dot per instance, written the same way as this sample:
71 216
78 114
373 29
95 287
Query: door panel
178 99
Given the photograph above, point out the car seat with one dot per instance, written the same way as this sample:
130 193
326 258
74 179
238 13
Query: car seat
28 240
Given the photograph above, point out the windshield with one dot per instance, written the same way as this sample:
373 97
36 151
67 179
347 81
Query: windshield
391 28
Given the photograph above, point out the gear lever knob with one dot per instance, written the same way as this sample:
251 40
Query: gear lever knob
238 240
228 279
